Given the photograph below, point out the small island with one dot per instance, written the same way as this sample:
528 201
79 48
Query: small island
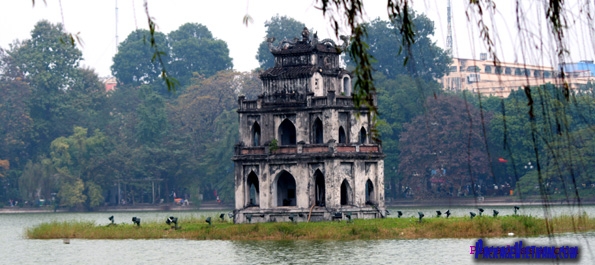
357 229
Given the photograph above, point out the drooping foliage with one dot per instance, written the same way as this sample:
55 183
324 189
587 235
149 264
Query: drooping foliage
452 156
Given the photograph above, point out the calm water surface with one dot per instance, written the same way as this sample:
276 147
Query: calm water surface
16 249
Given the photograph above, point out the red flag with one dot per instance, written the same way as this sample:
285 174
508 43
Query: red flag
502 160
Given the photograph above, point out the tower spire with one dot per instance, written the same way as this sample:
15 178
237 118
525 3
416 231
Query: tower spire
117 26
449 27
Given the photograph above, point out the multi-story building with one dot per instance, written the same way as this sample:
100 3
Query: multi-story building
499 79
305 150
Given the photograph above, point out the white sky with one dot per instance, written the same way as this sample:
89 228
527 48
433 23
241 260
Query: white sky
96 22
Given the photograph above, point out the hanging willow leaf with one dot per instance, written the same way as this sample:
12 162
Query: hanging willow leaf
158 54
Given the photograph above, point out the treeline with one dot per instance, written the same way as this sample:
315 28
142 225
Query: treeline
538 141
64 138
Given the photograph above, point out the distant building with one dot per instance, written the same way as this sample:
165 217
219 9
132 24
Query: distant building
580 69
486 77
305 150
110 83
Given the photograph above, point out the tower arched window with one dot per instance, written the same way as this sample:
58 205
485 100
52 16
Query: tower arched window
286 190
287 133
318 137
342 136
319 189
346 86
346 193
255 134
363 136
253 190
370 196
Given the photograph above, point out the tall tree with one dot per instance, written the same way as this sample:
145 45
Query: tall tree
50 66
452 154
194 50
135 63
217 166
280 28
399 101
38 180
423 59
152 118
77 160
196 110
17 125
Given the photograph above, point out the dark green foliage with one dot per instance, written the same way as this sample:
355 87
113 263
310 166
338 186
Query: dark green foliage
399 101
422 59
151 117
280 28
452 152
134 63
195 51
189 50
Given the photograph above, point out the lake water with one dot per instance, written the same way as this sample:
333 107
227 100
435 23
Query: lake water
16 249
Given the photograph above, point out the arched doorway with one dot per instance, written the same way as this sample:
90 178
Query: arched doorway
342 136
346 193
286 195
287 133
370 198
319 189
253 190
255 134
317 132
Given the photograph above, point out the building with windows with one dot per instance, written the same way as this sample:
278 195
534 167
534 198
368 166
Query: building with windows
305 150
499 79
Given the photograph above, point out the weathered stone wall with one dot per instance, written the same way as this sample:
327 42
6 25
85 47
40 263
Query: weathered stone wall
334 171
306 173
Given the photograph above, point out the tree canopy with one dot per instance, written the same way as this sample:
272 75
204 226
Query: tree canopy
279 28
451 156
423 59
189 50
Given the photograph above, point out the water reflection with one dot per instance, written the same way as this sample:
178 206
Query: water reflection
14 248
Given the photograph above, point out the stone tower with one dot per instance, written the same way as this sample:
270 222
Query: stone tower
305 149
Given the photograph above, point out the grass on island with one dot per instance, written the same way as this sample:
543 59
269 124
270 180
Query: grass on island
389 228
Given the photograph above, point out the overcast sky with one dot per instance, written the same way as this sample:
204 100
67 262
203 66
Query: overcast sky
95 20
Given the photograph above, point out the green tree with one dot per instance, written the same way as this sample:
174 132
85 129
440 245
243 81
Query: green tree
16 123
44 72
195 111
547 132
194 50
38 180
50 67
78 160
135 63
278 27
94 196
71 194
217 166
399 101
152 118
424 58
451 155
567 172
